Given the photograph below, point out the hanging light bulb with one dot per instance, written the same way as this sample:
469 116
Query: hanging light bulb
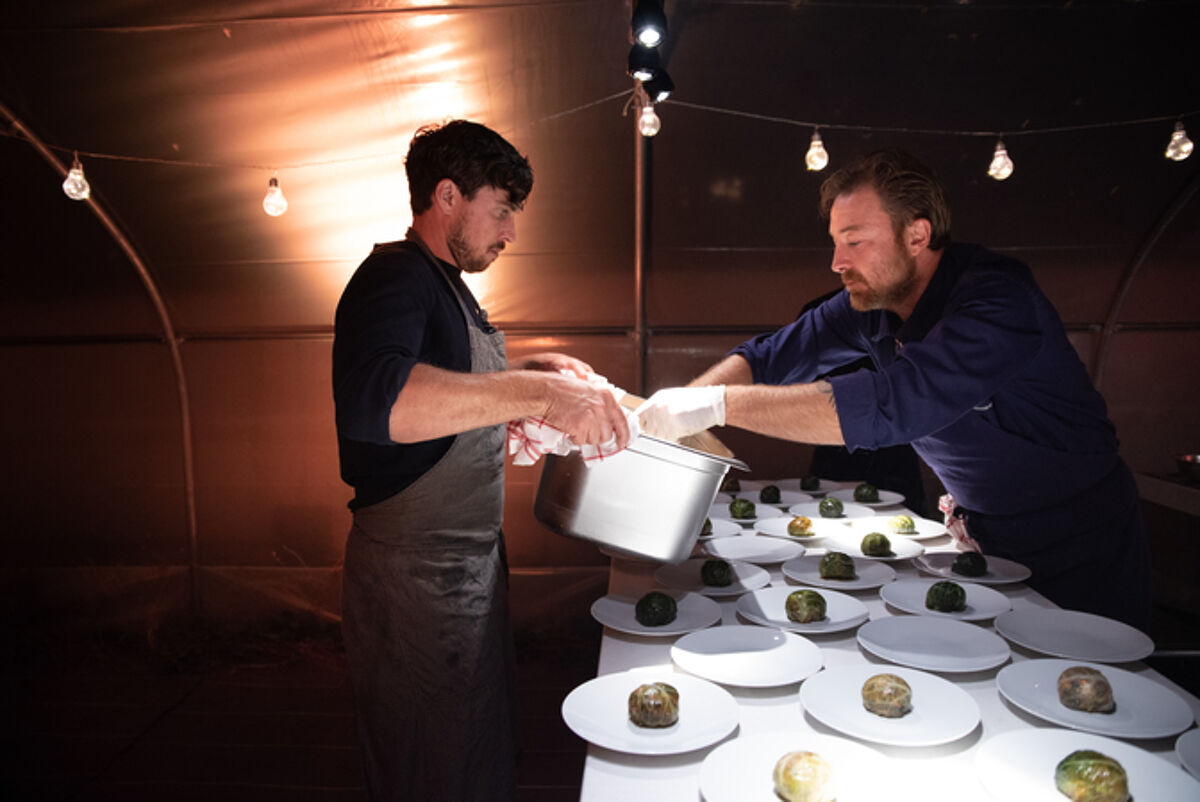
1180 147
1001 166
274 203
75 186
648 122
817 157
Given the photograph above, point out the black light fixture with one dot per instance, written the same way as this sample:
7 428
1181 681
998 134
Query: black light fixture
649 22
644 63
660 86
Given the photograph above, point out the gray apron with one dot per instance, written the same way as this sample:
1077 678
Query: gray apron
425 621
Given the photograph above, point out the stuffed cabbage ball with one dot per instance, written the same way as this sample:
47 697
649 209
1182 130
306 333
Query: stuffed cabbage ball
1086 689
730 484
655 609
804 776
741 508
836 565
1088 776
706 529
876 544
831 507
805 606
716 573
655 704
866 493
887 695
800 526
946 597
902 525
769 495
810 482
969 563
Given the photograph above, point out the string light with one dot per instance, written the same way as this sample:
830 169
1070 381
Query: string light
274 203
1180 147
1001 166
76 186
817 157
648 122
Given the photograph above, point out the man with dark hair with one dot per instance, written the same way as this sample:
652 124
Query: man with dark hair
973 368
422 390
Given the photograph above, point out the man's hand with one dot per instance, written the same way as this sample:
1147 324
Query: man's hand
679 411
588 415
553 362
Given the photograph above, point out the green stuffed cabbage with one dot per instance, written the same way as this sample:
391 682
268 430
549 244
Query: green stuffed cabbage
805 606
769 495
837 565
716 573
876 544
803 776
831 507
741 508
1088 776
866 493
946 597
969 563
655 609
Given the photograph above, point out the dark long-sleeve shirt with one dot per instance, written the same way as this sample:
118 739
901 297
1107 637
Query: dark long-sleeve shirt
981 379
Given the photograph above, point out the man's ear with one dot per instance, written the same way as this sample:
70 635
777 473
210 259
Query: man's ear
446 195
917 234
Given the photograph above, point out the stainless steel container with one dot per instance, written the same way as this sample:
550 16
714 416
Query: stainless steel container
649 501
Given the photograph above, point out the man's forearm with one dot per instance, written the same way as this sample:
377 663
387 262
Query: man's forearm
730 370
436 403
806 413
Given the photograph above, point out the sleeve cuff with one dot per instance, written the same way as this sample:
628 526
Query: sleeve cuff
854 394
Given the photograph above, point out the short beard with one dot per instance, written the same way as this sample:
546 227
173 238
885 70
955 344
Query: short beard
467 260
892 295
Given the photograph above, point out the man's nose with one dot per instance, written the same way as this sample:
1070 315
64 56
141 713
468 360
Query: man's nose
840 263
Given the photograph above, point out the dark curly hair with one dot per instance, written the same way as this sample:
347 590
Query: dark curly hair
469 154
907 188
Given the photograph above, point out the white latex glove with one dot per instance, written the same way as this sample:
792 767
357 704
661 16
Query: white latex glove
679 411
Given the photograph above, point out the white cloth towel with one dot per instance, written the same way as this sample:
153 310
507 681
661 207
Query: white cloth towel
530 438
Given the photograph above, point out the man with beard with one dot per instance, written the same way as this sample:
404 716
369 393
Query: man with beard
422 389
973 368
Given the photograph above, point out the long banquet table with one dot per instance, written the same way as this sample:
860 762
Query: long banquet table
926 773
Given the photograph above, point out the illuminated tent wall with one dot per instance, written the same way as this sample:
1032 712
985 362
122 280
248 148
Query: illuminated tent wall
126 501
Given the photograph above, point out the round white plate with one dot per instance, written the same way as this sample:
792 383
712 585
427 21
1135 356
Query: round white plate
1074 635
1187 747
887 498
742 770
850 541
767 606
598 712
693 612
686 576
870 574
933 644
909 595
1020 764
926 529
777 527
747 656
722 527
721 510
754 549
942 711
1000 571
1145 709
810 508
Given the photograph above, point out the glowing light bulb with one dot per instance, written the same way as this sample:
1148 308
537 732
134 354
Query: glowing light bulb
75 186
274 203
1001 166
1180 147
648 122
817 157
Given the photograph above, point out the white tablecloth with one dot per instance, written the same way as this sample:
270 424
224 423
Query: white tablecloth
926 773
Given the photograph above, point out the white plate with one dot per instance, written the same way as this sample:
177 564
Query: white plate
777 527
1145 709
909 595
1074 635
1020 765
598 712
887 498
1187 747
686 576
926 529
722 527
786 498
754 549
1000 571
721 510
768 607
810 508
693 612
747 656
850 541
933 644
942 711
742 770
870 574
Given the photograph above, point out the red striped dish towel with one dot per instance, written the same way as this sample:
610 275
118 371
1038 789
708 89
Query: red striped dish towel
530 438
